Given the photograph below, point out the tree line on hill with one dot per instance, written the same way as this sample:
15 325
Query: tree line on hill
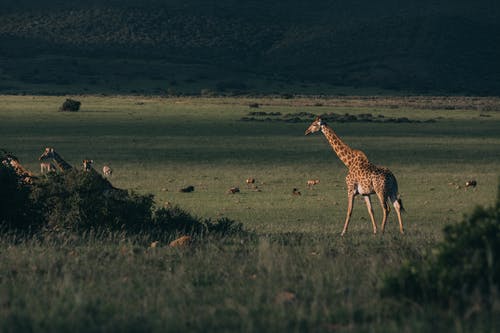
450 46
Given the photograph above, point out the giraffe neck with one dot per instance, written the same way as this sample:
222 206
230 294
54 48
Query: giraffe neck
24 174
345 153
20 170
62 164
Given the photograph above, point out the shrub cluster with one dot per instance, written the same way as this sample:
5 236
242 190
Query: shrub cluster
17 210
80 202
167 221
463 272
305 117
70 105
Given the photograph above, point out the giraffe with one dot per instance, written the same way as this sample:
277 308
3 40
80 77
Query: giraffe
87 165
24 174
50 153
46 166
363 178
312 182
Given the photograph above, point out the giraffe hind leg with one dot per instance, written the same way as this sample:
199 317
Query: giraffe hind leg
385 209
398 207
370 211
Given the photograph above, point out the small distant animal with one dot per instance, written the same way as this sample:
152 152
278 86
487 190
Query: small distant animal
312 182
470 183
296 192
233 190
87 165
187 189
107 171
250 181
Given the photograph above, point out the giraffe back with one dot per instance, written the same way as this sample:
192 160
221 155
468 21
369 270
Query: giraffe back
367 178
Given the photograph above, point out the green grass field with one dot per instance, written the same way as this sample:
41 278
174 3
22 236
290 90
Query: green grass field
160 145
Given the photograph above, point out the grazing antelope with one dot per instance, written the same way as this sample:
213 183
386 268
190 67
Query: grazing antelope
107 171
363 177
312 182
187 189
471 183
250 181
233 190
87 165
51 154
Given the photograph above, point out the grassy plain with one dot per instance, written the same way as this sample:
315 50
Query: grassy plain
158 145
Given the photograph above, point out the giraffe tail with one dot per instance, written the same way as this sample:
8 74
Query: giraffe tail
394 199
401 205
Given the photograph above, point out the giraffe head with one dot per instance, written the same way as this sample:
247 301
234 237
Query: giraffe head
315 126
47 154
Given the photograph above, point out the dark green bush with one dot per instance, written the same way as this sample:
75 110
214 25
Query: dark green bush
17 211
70 105
176 220
462 271
224 227
81 201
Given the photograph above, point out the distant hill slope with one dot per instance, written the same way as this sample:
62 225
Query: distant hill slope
452 47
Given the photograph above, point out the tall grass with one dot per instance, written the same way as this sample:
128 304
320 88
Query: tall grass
94 284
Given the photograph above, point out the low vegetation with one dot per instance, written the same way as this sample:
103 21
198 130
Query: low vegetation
70 105
462 273
78 202
17 210
307 117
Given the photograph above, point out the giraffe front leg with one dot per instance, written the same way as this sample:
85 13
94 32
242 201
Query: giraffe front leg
370 211
350 200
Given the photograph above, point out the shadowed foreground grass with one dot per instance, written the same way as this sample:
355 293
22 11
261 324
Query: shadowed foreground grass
282 282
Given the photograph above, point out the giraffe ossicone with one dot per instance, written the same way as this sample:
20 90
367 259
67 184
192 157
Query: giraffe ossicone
363 178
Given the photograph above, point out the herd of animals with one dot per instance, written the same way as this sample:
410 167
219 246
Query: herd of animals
363 177
50 161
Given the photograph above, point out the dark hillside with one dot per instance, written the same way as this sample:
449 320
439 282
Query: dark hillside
452 47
